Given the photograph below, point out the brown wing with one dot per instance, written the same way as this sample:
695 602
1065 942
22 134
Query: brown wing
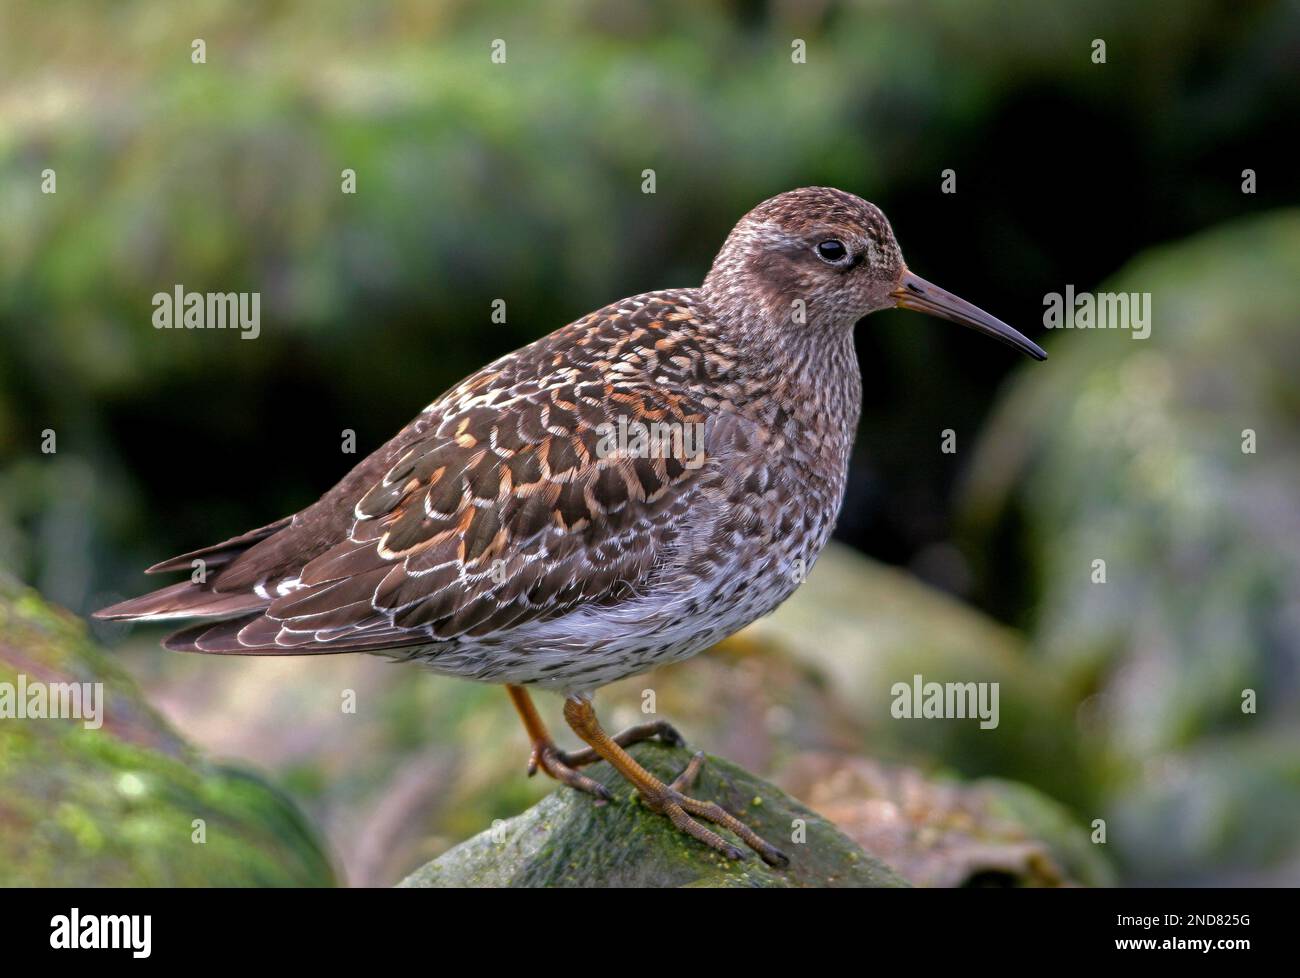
498 506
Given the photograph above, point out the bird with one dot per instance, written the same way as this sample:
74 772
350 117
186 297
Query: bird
616 496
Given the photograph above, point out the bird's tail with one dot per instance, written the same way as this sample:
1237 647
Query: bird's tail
197 599
184 600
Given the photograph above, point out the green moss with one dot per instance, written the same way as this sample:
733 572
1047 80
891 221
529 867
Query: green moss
117 805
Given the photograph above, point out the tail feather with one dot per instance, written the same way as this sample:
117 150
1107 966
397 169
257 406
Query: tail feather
220 554
238 596
191 600
184 600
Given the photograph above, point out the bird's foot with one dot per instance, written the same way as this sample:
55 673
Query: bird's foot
561 765
549 758
671 801
661 729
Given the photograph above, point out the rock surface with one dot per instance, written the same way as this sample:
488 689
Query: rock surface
568 839
938 831
126 803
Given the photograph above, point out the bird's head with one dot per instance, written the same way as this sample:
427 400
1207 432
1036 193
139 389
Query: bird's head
824 258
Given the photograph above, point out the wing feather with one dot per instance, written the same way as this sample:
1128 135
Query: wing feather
501 504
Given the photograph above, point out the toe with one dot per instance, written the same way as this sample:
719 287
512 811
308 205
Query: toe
686 779
678 816
669 735
774 857
713 812
550 761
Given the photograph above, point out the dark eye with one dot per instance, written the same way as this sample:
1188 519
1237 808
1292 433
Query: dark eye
832 250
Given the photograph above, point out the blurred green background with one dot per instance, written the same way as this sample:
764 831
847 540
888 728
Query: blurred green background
522 181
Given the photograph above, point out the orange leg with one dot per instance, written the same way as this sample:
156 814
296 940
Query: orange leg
544 747
668 799
545 754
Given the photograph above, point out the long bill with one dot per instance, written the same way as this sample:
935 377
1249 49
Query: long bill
916 293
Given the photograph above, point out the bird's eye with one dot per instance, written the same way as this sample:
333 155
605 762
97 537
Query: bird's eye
832 250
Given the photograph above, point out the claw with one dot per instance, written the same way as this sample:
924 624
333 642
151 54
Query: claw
669 735
551 760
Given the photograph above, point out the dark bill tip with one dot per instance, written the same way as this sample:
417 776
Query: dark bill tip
916 293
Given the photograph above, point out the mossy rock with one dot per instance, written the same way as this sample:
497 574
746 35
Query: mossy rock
569 839
126 803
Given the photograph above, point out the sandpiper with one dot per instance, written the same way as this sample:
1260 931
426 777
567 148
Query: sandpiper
503 535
